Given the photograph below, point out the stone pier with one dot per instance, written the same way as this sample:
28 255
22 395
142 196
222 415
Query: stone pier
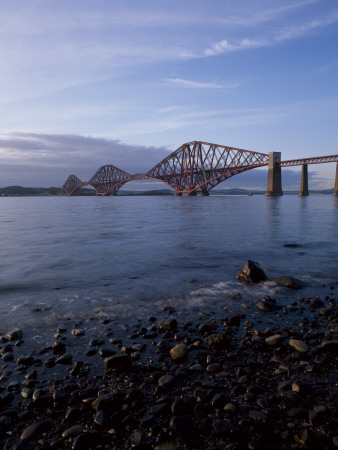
178 194
191 193
304 185
335 192
274 185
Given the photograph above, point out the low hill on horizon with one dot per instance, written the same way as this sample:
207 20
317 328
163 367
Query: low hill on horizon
20 191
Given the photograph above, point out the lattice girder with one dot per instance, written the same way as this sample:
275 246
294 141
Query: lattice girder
72 184
109 178
201 165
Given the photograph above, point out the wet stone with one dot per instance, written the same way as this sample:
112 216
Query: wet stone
169 324
105 352
78 332
14 334
252 272
268 304
102 419
276 339
217 341
289 282
166 381
179 352
72 431
208 327
117 363
298 346
65 359
58 348
34 430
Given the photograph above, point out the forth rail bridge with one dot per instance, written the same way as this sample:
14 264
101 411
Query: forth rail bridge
199 167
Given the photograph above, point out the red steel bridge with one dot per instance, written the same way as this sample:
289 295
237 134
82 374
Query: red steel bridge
196 167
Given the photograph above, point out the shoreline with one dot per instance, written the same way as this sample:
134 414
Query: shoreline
217 381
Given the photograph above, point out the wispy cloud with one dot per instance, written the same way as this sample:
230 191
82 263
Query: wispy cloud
201 85
284 35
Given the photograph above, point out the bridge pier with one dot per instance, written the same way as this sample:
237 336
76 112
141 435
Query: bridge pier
304 185
335 192
191 194
178 194
205 193
274 185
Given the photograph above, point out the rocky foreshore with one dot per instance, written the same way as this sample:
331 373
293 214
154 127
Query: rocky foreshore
210 383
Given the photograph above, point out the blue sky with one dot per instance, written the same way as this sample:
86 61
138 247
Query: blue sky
86 83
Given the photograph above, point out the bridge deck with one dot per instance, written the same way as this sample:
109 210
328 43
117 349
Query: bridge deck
313 160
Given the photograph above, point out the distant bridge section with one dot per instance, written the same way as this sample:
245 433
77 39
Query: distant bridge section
200 166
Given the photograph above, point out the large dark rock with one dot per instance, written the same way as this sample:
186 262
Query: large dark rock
252 273
289 282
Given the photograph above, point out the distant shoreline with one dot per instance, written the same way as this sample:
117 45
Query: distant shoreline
19 191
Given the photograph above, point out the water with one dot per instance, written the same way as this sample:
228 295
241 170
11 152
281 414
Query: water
75 257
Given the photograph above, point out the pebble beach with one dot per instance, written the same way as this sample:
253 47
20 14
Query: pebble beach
215 381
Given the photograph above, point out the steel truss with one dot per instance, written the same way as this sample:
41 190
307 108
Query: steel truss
72 184
109 179
193 166
313 160
201 166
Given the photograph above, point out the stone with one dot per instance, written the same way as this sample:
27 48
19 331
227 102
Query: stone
289 282
213 368
25 360
105 352
183 427
72 414
58 348
252 272
73 431
35 429
169 324
102 419
14 334
107 402
65 359
223 427
217 341
179 352
276 339
166 381
117 363
330 346
268 304
163 346
78 332
298 346
208 327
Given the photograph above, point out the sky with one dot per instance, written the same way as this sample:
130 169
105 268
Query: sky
85 83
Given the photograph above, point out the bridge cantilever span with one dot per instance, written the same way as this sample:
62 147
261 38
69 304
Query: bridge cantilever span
201 166
193 166
109 178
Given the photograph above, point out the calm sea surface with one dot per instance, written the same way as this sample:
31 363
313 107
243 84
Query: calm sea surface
75 257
